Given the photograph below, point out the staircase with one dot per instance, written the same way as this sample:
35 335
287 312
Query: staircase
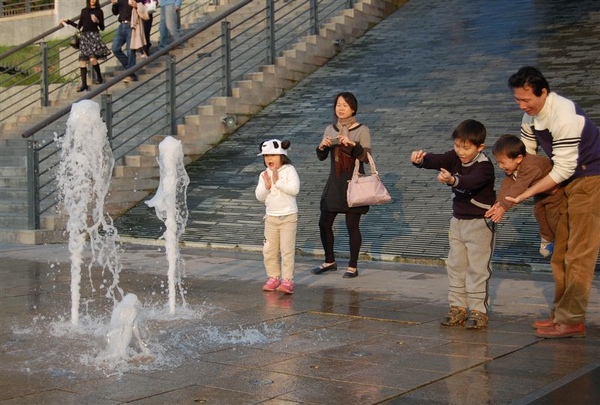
136 176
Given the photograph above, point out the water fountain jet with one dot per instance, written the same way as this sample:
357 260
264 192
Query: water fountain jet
170 204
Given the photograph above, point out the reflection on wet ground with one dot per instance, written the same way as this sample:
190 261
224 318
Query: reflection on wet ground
327 343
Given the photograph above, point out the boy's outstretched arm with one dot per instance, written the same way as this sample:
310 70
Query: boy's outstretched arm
416 157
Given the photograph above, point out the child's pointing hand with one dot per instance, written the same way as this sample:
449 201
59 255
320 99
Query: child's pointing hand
445 177
417 156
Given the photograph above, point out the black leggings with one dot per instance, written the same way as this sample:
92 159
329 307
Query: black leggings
327 239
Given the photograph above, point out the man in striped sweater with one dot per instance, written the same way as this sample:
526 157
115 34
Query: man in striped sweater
572 141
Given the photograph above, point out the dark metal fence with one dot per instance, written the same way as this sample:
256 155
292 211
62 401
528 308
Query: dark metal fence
16 7
216 54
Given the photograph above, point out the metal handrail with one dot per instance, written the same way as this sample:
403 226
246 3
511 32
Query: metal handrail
133 70
178 89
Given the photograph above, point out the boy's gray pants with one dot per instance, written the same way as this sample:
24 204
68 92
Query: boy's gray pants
469 262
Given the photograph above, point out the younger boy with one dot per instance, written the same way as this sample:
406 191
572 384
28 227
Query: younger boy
522 171
471 175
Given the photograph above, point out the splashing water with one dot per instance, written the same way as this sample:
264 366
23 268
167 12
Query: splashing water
170 203
126 323
84 171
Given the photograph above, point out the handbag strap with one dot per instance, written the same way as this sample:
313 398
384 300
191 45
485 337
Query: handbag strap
372 166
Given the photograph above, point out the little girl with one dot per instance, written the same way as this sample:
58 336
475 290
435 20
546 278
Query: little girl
278 186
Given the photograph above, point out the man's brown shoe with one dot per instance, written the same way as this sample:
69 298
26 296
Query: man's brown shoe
558 331
542 323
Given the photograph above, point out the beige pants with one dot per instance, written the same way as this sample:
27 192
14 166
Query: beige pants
576 249
280 238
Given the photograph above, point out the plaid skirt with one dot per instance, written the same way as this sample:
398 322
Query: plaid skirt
91 45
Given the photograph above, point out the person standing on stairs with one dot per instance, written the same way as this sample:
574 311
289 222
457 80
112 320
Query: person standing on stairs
91 47
168 27
123 9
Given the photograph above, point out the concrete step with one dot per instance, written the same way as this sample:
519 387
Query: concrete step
198 128
53 221
8 157
13 220
140 160
255 93
32 237
148 149
14 193
306 58
137 172
12 205
313 51
125 184
13 182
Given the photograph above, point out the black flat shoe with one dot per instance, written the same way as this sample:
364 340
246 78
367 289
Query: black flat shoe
98 81
350 274
322 269
82 88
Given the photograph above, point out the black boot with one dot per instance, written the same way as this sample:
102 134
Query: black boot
99 79
84 86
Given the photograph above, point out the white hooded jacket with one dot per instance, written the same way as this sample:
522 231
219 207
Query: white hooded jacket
281 198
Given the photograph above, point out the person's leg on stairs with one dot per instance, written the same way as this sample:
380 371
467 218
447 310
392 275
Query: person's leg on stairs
96 67
83 71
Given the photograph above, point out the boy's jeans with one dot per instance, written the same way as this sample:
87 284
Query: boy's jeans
280 236
123 37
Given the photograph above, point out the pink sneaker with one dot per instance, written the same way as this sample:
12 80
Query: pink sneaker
286 286
271 284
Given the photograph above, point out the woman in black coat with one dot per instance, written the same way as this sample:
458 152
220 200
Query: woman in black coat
91 46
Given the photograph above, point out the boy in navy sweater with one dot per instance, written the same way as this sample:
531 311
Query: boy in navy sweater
471 175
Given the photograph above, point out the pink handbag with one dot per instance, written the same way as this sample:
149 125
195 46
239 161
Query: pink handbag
366 190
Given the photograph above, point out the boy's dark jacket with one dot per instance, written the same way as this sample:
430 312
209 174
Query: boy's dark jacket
474 187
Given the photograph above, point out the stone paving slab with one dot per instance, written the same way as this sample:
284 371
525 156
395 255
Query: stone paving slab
374 339
417 74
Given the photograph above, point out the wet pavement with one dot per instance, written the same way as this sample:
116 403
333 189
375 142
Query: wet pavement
372 339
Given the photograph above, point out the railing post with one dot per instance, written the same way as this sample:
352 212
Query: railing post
171 96
44 74
107 115
226 59
350 4
33 185
270 33
314 17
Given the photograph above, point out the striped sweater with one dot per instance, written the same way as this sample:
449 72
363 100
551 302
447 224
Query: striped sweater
565 134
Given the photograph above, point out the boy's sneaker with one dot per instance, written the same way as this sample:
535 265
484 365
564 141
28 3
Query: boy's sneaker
546 248
476 320
456 317
271 284
286 286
